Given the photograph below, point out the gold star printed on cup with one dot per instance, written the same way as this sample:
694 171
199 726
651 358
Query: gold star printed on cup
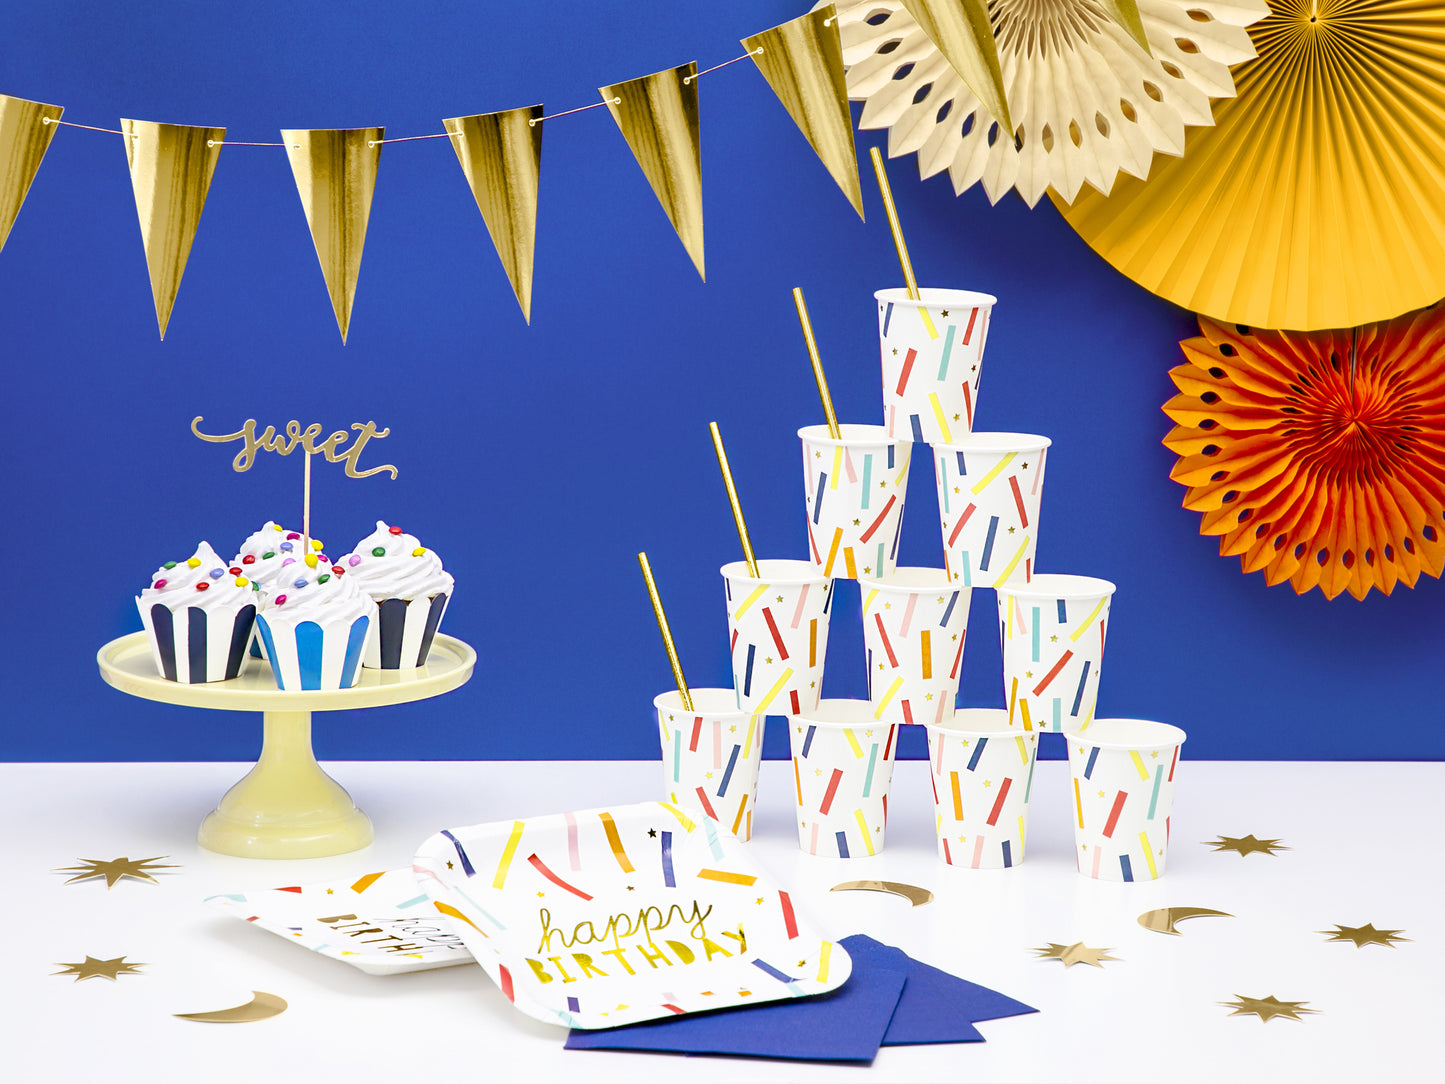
1246 845
1077 953
1266 1008
115 869
1364 935
92 968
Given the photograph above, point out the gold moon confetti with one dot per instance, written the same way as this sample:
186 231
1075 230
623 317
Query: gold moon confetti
912 893
1162 919
262 1006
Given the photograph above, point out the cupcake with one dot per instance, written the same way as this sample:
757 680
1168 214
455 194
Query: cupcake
198 614
410 589
263 555
314 623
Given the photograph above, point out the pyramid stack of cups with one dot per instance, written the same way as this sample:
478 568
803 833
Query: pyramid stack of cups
1052 629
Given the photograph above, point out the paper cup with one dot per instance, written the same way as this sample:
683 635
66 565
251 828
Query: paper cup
194 645
311 656
983 773
842 768
855 489
990 486
1123 773
1052 630
932 353
710 756
405 630
913 631
778 629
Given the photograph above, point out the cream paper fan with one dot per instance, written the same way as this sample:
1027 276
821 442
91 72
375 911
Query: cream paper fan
1088 102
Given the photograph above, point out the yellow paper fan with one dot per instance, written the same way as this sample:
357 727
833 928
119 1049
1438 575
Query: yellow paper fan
1087 101
1318 199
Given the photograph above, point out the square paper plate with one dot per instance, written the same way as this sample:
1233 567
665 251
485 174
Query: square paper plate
606 917
382 923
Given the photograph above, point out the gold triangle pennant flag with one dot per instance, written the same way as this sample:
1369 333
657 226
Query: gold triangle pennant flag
171 166
501 155
25 136
962 32
335 171
658 116
802 61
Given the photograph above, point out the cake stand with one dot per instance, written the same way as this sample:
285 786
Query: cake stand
286 807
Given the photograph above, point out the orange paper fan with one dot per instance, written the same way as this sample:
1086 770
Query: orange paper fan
1318 457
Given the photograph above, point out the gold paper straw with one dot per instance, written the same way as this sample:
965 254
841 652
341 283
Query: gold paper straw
833 430
666 634
722 461
898 241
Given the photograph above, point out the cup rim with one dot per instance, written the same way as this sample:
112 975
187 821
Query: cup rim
1168 735
892 584
998 715
674 702
828 724
1048 585
935 295
796 574
875 434
978 441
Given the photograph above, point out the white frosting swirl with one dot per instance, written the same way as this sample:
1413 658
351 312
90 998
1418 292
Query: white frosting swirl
262 555
303 593
389 563
204 581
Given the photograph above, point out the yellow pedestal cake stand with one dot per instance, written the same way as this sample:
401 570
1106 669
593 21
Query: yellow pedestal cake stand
286 807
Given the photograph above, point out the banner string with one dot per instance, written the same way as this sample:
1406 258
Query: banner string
534 121
724 64
87 127
239 143
405 139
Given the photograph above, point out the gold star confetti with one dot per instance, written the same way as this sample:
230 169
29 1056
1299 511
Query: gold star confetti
99 969
1364 935
115 869
1246 845
1077 953
1266 1008
857 522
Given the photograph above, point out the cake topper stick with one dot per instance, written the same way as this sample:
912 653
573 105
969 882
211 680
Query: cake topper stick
722 461
306 506
662 627
893 225
833 430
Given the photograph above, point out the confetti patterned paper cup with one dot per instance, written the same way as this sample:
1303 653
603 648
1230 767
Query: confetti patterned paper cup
990 486
855 489
778 631
983 774
1123 776
710 756
932 353
842 768
913 631
1053 630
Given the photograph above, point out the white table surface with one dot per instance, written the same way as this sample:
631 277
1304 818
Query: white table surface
1366 848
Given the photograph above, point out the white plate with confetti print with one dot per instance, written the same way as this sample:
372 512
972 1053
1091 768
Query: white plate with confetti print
605 917
380 923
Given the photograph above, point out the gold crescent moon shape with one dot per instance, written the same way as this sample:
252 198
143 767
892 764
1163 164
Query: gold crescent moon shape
1163 919
262 1006
912 893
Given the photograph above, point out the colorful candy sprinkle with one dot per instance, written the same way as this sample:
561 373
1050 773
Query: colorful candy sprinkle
394 530
418 551
322 578
249 559
316 545
169 565
159 584
380 551
268 555
338 569
299 583
241 581
286 547
354 560
217 573
293 534
311 560
194 562
288 561
234 571
280 599
203 585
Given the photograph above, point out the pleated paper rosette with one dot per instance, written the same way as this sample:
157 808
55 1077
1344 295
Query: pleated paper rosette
1087 101
1318 458
1318 198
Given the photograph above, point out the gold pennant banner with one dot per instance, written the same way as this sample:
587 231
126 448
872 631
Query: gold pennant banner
335 172
501 155
658 116
802 61
962 32
171 166
25 136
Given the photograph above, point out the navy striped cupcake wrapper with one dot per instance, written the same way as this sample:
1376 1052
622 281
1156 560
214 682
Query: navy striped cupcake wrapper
407 629
194 645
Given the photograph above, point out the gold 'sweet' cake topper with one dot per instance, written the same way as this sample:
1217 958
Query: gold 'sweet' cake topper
285 443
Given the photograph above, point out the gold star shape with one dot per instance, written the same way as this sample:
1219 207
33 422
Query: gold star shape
1101 794
955 417
652 833
802 963
709 775
1246 845
988 782
541 893
1028 673
331 891
1363 935
631 889
955 489
1155 754
1053 639
888 605
955 635
943 312
1011 530
928 696
115 869
450 866
99 969
732 730
867 733
940 598
760 899
857 522
880 666
780 598
1266 1008
1077 953
814 684
895 351
817 455
882 485
817 771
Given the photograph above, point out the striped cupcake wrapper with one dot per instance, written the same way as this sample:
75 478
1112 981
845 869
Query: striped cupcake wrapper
308 657
405 632
193 645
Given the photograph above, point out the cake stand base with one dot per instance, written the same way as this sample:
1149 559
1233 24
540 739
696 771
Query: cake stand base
286 807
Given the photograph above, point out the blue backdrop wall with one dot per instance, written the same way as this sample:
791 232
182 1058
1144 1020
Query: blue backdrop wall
538 460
